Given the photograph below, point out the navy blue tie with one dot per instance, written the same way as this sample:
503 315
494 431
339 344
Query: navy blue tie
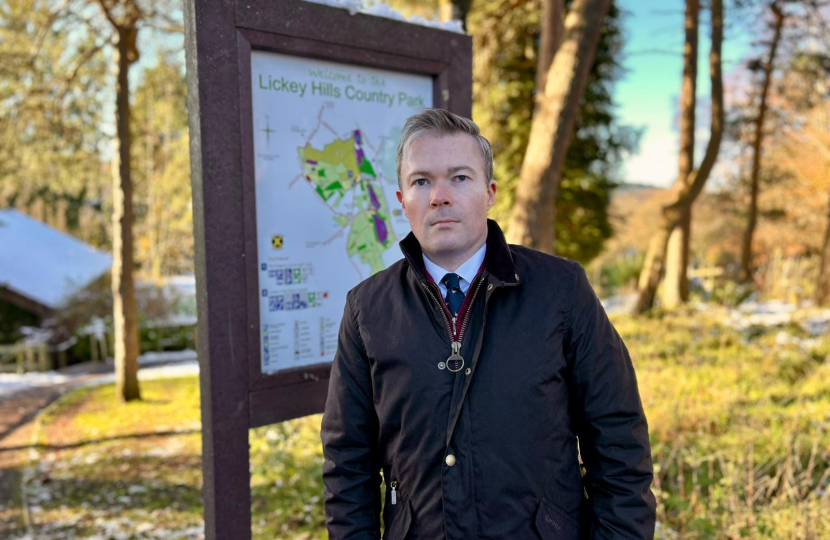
455 296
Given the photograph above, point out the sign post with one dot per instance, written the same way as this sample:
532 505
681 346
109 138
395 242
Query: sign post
295 115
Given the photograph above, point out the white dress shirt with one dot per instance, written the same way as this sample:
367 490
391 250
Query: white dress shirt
466 272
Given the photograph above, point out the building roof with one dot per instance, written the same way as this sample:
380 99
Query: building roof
43 264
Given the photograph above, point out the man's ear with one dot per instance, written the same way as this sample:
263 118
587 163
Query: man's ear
491 194
403 204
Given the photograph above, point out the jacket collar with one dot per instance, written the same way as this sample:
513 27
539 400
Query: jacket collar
498 261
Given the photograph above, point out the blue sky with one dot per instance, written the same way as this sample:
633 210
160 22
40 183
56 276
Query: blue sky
648 93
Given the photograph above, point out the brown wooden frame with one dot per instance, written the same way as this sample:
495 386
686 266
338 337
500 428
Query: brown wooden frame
219 38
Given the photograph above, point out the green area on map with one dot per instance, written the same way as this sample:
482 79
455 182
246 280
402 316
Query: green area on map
342 168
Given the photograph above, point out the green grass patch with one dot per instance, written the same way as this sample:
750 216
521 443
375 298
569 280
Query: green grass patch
134 469
739 425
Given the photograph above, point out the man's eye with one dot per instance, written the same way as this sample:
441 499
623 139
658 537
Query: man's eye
461 177
421 181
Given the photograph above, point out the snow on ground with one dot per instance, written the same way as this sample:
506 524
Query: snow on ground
771 313
169 371
166 356
12 382
379 9
152 365
619 303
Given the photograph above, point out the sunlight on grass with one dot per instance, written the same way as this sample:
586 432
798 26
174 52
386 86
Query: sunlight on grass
739 425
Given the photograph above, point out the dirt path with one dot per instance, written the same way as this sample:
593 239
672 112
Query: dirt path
17 415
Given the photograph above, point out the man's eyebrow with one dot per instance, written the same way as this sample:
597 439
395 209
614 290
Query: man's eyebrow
418 173
450 170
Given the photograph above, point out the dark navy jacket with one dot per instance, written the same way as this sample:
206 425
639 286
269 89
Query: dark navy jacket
490 450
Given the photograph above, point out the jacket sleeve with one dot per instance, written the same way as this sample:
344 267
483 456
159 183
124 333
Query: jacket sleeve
609 421
351 470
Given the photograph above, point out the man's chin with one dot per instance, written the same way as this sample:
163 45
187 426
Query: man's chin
443 246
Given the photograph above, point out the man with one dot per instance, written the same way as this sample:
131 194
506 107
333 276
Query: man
467 371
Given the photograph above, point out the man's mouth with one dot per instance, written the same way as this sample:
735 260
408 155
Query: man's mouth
444 222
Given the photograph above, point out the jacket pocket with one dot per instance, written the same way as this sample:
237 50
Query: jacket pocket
554 524
399 521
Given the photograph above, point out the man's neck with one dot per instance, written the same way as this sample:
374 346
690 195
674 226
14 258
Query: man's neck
451 261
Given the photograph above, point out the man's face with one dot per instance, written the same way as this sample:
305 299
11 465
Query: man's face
445 195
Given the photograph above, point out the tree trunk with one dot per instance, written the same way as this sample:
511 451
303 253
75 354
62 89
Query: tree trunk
675 285
125 320
459 9
823 283
551 32
675 280
686 190
752 219
534 214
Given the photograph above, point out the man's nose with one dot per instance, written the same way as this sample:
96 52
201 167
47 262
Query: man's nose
441 195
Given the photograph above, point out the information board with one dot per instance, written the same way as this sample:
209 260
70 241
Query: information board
325 143
295 110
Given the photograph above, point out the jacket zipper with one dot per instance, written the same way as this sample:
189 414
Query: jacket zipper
394 486
456 344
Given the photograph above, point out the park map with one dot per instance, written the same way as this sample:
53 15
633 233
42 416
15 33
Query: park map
325 145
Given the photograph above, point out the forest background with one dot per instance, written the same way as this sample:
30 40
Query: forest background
729 277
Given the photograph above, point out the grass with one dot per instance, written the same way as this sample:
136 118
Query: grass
739 424
133 471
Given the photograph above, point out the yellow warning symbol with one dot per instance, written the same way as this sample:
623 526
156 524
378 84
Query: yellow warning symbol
276 241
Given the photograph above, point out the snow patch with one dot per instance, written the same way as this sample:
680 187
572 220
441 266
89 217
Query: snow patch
152 365
380 9
12 382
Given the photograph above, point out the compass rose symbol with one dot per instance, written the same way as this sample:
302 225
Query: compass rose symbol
268 131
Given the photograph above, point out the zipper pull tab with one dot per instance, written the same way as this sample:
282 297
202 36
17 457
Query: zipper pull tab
456 347
394 486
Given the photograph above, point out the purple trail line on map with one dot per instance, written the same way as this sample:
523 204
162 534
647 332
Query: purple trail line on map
380 229
358 139
374 197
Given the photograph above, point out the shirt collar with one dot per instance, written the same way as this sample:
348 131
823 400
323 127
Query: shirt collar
499 261
467 270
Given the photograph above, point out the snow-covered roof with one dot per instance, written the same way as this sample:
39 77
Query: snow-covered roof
379 9
44 264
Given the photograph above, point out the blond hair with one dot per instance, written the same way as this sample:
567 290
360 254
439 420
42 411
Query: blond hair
441 122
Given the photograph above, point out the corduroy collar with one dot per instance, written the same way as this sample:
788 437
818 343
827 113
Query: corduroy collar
498 262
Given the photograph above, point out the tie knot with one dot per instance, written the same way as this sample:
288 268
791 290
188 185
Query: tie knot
451 281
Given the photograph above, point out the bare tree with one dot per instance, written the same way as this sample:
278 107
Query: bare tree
533 218
686 190
752 219
124 17
675 284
